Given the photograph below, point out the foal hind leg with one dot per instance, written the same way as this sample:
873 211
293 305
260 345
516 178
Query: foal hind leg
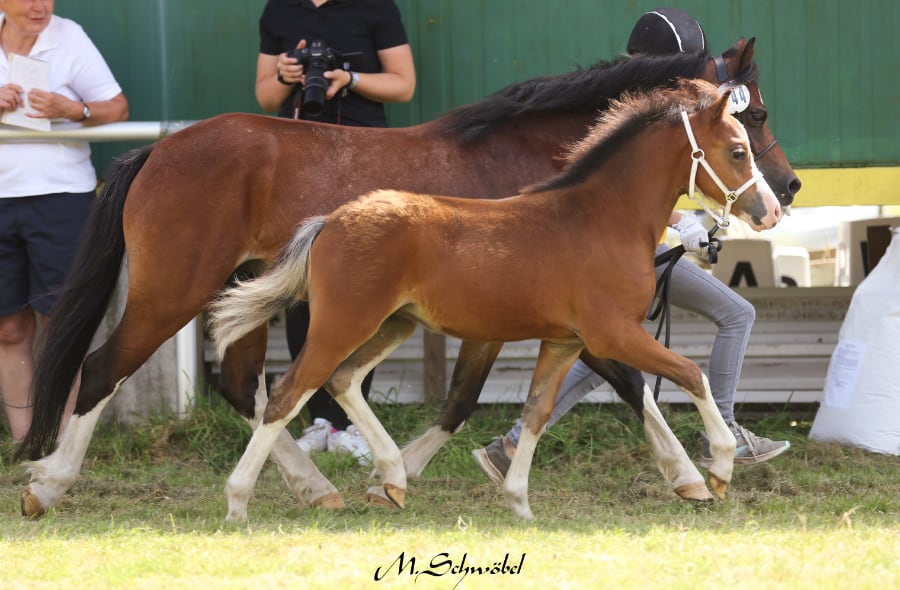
671 458
243 385
345 385
469 375
553 362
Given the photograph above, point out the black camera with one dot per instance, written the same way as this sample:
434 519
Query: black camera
316 59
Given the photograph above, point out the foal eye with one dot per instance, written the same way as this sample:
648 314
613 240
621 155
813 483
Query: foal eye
738 153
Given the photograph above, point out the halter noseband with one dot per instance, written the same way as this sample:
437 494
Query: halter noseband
698 158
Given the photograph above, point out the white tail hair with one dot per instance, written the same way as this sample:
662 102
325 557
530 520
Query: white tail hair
240 309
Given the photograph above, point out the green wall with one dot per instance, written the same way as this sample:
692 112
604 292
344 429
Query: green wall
829 67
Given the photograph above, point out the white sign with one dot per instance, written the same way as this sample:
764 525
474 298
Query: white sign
28 73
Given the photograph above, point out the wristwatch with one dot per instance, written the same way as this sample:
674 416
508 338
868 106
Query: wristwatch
85 112
354 80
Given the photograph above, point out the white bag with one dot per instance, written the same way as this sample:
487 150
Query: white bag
861 402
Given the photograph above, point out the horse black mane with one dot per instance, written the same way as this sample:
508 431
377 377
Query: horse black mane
584 91
623 122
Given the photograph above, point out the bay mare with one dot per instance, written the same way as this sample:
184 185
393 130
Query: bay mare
223 196
569 262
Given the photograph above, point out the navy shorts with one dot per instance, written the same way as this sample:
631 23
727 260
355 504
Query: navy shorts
38 237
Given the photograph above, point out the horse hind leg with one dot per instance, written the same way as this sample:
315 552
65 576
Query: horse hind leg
102 373
553 362
469 375
345 385
243 385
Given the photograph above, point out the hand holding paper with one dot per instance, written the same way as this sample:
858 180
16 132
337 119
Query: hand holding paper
28 73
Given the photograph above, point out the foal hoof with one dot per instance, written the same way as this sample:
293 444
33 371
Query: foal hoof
331 501
695 492
389 496
718 485
31 506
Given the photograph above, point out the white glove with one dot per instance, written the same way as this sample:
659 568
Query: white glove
692 233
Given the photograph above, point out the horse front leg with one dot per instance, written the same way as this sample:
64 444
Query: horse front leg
242 384
671 458
473 366
553 362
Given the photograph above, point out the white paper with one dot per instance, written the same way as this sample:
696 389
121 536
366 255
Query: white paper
843 373
28 73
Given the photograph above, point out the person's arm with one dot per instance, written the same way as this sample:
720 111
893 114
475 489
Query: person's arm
270 93
690 231
395 83
51 105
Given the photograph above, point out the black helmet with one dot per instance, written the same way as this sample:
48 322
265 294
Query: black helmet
665 31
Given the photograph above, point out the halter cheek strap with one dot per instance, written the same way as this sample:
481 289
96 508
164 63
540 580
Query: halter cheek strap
698 158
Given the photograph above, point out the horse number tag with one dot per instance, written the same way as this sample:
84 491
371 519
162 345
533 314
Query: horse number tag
740 98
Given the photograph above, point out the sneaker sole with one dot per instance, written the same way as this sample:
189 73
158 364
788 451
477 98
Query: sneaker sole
705 462
487 467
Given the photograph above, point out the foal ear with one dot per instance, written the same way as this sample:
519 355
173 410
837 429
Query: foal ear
720 107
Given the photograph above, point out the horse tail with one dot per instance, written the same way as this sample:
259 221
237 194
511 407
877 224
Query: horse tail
81 305
249 303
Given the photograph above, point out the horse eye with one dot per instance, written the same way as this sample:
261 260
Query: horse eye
738 153
759 116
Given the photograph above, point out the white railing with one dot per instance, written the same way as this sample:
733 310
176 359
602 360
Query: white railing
124 131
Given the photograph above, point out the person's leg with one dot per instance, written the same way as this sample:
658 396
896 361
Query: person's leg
494 459
695 290
579 381
16 369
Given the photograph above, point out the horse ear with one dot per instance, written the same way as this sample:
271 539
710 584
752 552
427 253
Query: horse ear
720 107
747 55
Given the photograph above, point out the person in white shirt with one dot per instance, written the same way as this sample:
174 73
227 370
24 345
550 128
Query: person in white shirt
47 188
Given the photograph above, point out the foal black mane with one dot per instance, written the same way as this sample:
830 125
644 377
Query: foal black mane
584 91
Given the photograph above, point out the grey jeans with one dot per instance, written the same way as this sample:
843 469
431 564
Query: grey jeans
695 290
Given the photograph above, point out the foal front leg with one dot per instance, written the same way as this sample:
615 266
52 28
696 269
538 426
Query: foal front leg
553 362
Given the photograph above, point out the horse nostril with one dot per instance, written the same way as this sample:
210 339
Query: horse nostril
794 186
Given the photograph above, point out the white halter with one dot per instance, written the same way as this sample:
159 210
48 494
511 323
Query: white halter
698 157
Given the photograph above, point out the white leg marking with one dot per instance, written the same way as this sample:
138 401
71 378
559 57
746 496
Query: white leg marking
53 475
298 471
515 486
242 480
671 458
419 452
721 440
385 454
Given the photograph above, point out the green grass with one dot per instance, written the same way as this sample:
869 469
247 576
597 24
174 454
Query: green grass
148 512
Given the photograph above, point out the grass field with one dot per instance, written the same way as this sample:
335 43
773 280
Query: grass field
148 512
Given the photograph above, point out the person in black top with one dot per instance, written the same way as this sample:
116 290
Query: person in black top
376 67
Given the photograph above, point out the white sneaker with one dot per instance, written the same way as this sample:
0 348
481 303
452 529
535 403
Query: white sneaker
315 437
350 441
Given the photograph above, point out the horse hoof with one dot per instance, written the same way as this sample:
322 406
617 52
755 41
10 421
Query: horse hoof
377 497
31 506
695 492
331 501
718 485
